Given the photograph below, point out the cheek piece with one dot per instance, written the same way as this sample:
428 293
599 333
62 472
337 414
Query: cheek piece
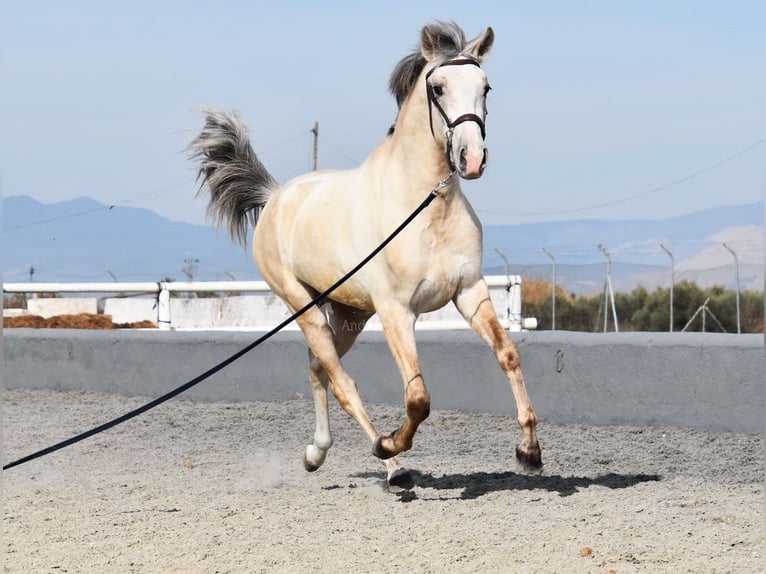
451 124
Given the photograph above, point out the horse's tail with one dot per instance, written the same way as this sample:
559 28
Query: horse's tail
238 183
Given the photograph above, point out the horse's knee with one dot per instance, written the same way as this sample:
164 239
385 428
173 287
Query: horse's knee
509 358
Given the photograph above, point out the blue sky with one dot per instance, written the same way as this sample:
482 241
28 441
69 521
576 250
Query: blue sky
596 109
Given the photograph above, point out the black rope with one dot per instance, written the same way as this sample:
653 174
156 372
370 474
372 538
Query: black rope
225 363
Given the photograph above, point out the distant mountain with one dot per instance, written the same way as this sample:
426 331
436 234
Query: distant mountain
84 240
634 246
634 241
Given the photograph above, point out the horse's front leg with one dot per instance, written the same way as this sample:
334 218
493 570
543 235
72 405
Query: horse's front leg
399 329
475 305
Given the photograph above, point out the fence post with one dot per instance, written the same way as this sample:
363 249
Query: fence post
163 307
736 267
672 281
513 290
553 294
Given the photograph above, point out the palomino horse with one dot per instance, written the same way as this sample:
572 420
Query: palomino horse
312 230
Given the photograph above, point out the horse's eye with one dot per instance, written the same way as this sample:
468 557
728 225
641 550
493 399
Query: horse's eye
487 89
438 90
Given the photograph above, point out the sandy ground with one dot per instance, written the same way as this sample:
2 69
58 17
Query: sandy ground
193 487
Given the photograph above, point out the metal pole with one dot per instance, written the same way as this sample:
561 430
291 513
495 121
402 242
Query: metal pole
505 261
507 285
736 267
553 294
31 280
614 308
163 307
608 289
672 281
315 150
700 309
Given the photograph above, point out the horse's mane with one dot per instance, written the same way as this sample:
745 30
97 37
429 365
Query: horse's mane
450 42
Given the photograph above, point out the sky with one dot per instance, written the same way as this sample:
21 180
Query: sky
599 109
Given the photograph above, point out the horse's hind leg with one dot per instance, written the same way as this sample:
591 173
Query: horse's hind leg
315 453
475 305
346 324
326 370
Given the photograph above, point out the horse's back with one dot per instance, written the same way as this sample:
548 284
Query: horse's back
311 231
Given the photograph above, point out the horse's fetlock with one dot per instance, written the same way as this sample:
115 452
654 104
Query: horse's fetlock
527 419
381 450
323 443
418 406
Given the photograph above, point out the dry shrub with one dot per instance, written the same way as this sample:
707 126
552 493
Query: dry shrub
533 291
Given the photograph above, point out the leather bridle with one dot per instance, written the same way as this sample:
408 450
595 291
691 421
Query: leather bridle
433 102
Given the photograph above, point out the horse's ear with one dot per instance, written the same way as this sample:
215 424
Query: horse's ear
480 47
429 43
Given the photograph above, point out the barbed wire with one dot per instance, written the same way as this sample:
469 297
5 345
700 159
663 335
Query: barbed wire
747 250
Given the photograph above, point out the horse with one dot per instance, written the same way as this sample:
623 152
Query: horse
312 230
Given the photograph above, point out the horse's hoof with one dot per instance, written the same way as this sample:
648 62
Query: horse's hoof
379 450
400 480
530 459
313 458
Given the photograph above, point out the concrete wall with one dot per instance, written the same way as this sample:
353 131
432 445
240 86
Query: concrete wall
696 380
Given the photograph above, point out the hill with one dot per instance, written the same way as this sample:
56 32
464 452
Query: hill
84 240
634 246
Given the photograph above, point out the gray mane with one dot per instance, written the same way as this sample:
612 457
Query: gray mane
450 42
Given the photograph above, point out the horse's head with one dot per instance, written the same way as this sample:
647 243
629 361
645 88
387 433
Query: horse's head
457 90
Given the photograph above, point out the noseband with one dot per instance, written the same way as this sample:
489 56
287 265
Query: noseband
434 103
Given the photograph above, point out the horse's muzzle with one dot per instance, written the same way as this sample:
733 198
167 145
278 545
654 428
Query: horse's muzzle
471 163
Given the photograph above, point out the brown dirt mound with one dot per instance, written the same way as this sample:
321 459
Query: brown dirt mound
79 321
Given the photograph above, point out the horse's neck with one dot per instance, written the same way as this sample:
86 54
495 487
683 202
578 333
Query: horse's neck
420 161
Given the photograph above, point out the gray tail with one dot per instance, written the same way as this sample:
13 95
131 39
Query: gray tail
238 183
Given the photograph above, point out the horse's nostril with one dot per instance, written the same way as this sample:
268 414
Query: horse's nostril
463 160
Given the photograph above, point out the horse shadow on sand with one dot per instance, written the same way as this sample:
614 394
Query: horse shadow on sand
476 484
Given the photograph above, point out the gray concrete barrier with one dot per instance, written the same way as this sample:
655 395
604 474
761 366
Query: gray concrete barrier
695 380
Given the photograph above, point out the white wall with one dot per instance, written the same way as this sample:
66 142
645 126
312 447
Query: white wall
257 312
50 307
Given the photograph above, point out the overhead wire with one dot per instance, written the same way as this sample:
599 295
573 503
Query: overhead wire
640 195
518 253
131 199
